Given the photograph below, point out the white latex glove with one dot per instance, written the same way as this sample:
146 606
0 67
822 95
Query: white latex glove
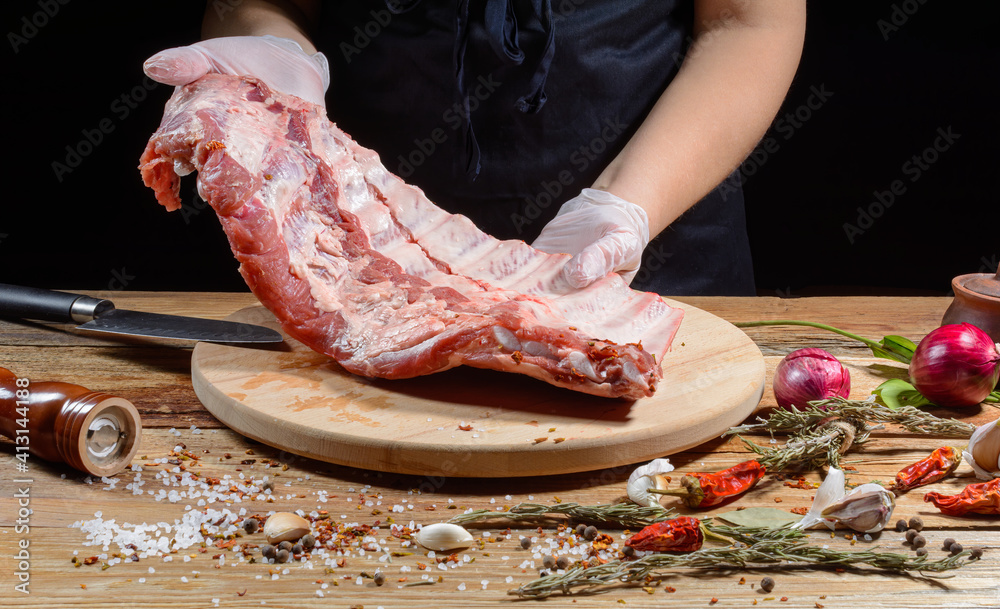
279 62
605 234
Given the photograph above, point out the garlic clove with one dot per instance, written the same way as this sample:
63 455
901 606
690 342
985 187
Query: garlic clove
285 526
646 477
443 536
828 493
983 451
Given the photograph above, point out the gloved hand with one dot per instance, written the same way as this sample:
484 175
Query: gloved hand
279 62
605 234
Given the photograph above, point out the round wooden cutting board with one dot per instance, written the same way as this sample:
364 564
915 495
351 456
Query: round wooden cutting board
469 422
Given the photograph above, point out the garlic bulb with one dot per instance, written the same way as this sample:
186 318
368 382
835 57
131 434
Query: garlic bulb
867 508
646 477
443 536
983 451
285 526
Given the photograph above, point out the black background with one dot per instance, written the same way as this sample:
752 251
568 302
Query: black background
888 93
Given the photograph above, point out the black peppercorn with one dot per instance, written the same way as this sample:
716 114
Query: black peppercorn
901 525
250 525
564 561
281 556
525 543
379 578
767 584
919 541
956 548
548 561
308 542
268 551
916 523
946 546
590 533
285 545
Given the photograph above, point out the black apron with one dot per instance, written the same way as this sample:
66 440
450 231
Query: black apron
502 111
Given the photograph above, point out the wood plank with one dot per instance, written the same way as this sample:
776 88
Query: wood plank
156 377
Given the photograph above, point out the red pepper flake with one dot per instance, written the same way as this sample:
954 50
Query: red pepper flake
932 468
215 145
517 357
670 589
784 598
558 440
981 498
465 427
242 593
713 601
540 440
678 535
777 499
801 511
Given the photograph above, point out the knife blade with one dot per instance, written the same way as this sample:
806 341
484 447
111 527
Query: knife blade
100 315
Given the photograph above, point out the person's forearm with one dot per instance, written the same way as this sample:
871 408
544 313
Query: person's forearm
716 109
287 19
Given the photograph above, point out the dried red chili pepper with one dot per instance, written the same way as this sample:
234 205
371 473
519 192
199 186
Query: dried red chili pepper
705 490
939 464
980 498
678 535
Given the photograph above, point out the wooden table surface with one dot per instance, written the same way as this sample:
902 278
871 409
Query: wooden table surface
156 378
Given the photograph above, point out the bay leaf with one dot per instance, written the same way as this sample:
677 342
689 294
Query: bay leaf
760 517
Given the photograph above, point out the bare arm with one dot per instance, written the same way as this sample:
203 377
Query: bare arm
716 109
284 18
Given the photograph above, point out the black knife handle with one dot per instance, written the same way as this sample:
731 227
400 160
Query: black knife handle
49 305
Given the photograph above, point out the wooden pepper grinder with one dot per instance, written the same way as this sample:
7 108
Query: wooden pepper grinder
93 432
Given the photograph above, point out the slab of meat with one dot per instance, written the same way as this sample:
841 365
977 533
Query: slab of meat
360 266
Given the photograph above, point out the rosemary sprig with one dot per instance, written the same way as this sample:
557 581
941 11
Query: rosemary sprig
775 546
814 441
622 514
912 419
811 449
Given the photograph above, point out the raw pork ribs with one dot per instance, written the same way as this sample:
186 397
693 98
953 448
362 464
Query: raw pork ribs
360 266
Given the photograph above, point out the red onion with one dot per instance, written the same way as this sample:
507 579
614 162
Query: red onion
810 374
956 365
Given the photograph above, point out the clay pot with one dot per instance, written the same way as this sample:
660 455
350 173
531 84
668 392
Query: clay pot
977 301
